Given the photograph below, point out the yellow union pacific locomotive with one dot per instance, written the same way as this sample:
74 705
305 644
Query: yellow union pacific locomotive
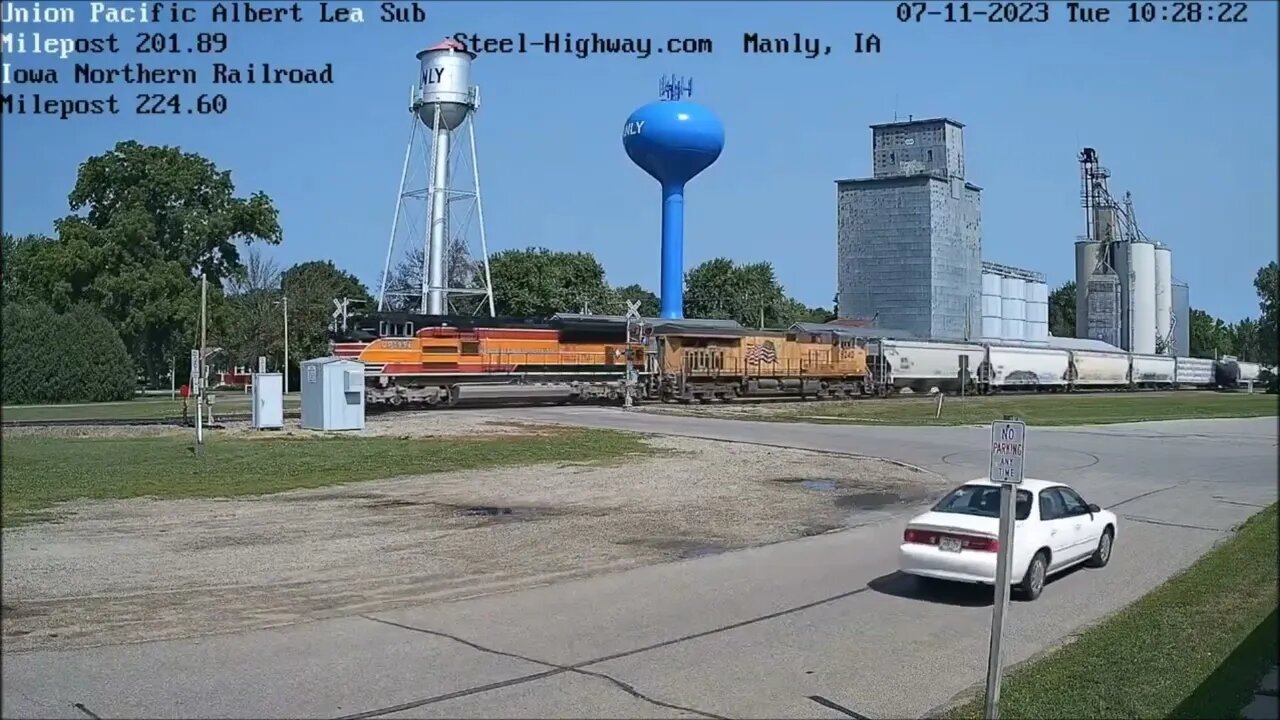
726 364
430 360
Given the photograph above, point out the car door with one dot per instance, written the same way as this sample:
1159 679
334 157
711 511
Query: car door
1086 533
1057 527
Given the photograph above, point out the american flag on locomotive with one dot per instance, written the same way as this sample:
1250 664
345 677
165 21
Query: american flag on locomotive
764 353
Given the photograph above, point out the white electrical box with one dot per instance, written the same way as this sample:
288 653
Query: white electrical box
268 401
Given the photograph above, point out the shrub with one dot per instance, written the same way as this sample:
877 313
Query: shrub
46 357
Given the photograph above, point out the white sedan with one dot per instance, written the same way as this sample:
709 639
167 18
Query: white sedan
1055 529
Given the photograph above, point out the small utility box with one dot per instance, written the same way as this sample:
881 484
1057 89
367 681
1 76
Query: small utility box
268 401
332 394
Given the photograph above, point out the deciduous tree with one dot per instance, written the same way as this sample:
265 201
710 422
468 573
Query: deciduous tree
1062 311
1267 283
538 282
146 222
311 288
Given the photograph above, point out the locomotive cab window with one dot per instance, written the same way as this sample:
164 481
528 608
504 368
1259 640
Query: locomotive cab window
386 329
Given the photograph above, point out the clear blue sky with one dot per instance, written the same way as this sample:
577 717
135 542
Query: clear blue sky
1183 115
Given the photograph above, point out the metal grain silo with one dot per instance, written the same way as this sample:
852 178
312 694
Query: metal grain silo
991 319
1164 298
1181 319
1136 266
1037 327
1013 308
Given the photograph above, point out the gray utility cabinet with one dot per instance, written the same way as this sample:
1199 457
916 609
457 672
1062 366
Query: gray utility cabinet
332 394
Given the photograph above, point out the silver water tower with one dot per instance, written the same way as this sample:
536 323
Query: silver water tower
443 106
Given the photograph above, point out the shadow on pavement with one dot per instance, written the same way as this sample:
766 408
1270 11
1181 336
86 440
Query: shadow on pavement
911 587
1232 685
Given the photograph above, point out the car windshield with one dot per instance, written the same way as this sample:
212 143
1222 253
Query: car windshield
983 500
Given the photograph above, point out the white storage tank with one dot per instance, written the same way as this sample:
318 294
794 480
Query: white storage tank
1013 302
1164 298
1138 299
332 394
268 401
1037 312
991 327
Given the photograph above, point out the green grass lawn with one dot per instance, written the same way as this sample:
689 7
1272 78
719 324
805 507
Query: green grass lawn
39 472
1034 409
232 402
1196 647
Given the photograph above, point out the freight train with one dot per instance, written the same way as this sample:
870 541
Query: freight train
441 361
1065 365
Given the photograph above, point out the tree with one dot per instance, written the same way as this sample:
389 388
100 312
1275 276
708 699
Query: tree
72 357
258 272
1267 283
311 288
1062 311
649 304
16 262
404 286
538 282
1210 337
1245 338
146 222
750 294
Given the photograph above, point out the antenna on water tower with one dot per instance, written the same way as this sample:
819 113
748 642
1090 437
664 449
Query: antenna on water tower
673 140
442 107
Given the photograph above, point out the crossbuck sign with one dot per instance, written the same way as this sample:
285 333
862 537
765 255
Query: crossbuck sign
1007 451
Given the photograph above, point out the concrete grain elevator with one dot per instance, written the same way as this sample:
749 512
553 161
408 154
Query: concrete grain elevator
909 238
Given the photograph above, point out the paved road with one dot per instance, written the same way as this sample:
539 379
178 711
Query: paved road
788 630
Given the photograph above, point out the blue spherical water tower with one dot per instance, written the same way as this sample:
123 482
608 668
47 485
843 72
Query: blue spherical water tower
673 140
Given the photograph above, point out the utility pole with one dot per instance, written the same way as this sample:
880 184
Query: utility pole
286 344
199 380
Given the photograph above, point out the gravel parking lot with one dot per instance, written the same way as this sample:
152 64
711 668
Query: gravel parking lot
134 570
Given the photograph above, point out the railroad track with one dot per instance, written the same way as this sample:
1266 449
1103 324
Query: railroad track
496 404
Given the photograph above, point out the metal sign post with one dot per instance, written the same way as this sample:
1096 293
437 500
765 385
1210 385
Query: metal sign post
195 384
635 327
1007 453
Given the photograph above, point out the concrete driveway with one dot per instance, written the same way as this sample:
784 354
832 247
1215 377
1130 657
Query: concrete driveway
819 627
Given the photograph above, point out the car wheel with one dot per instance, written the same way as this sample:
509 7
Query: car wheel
1102 555
1033 582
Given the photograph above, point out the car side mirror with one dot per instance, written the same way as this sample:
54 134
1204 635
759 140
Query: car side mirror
1094 509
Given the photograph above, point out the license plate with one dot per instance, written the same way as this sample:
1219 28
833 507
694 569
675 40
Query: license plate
949 544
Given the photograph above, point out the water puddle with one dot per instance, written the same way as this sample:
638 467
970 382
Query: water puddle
843 499
867 501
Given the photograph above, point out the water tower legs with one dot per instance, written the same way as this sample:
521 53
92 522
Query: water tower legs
438 221
672 297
